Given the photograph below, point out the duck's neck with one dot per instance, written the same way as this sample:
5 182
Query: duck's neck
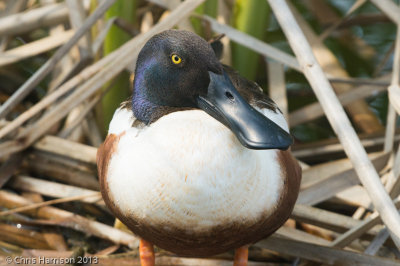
142 108
147 111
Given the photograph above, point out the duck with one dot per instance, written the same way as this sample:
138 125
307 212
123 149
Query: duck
197 162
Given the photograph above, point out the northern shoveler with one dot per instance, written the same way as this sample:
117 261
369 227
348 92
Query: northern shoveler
197 161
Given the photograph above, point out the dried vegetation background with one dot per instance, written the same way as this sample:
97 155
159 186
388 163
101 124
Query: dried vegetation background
333 68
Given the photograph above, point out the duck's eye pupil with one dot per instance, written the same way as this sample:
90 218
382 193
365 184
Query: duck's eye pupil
176 59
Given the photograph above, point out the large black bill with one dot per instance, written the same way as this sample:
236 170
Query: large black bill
253 129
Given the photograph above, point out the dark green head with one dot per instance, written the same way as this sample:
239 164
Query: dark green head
172 69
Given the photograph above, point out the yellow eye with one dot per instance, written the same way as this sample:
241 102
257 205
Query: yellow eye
176 59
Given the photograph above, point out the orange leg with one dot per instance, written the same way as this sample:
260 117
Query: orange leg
241 256
146 252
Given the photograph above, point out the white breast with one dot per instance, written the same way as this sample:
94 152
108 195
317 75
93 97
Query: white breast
189 170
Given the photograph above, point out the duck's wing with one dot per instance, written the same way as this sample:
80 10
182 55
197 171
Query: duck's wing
217 45
104 154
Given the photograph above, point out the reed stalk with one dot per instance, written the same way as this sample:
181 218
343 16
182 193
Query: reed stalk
114 39
251 17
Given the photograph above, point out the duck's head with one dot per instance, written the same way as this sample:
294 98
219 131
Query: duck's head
178 69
